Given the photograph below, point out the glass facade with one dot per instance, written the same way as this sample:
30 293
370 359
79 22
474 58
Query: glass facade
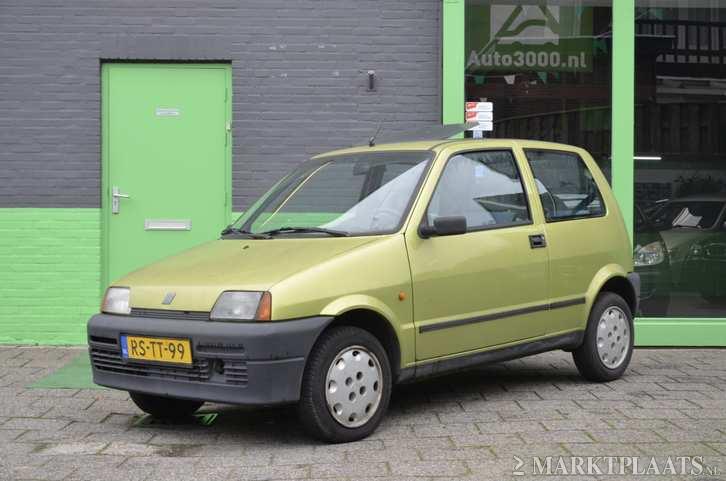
680 157
546 68
562 70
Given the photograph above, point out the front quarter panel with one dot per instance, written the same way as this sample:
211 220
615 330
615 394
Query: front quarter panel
369 277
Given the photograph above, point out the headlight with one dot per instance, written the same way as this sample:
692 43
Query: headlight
649 254
242 306
116 300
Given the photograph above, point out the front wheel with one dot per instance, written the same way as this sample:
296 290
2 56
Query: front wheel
346 386
162 407
608 344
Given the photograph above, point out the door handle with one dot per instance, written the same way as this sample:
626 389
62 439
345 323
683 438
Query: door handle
116 194
537 241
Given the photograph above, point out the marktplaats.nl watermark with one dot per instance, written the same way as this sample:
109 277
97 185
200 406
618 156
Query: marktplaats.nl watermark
613 465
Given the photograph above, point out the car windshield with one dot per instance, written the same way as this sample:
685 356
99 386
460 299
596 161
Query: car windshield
357 194
691 214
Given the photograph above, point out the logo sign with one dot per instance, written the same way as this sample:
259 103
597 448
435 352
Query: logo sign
538 38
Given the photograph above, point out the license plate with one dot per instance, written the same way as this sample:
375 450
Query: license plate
156 349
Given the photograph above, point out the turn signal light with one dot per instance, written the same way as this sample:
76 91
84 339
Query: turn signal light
264 309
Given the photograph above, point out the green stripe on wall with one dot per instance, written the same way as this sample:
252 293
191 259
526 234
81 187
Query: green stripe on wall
49 274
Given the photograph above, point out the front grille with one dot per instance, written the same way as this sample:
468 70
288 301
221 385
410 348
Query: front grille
111 361
169 314
235 372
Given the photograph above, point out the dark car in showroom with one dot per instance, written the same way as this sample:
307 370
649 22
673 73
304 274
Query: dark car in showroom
651 261
694 231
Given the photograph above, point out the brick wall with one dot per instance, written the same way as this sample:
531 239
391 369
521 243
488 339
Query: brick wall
49 274
299 75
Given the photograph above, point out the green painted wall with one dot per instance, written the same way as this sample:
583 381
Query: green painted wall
453 61
50 274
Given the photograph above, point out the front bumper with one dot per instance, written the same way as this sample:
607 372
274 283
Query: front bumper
249 363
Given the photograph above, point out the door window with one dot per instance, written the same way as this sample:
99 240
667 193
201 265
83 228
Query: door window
484 187
565 185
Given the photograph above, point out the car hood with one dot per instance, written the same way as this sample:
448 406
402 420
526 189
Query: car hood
678 241
199 275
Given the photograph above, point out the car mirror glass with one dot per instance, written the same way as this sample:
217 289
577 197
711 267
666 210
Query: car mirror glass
450 225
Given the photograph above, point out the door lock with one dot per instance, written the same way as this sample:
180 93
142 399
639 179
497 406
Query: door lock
537 241
116 194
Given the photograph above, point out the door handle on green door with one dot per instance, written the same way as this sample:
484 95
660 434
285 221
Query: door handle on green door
116 194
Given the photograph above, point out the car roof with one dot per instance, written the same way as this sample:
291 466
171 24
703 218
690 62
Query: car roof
438 145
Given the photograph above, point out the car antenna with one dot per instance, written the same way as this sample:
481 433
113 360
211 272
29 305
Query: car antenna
372 140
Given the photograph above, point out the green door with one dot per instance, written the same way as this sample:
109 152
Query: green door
166 146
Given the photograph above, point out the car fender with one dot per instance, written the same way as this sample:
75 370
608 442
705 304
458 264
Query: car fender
404 330
606 273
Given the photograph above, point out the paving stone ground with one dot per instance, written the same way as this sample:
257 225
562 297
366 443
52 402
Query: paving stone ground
461 427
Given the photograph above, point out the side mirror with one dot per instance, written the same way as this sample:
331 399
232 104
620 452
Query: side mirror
452 225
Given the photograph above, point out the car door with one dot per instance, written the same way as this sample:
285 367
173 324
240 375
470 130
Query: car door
580 237
487 286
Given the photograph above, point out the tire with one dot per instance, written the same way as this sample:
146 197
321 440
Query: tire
361 391
610 322
165 407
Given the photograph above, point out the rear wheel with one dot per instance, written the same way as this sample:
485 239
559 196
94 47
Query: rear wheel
346 386
608 344
165 407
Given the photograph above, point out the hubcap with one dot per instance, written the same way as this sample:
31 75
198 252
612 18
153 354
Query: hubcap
353 386
613 337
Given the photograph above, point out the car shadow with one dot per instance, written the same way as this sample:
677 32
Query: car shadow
419 402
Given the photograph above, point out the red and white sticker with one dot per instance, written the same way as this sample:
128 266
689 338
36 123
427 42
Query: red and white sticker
479 116
479 107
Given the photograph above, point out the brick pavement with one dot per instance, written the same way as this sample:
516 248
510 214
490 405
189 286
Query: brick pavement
465 426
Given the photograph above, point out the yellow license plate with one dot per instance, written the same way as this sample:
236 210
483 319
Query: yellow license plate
157 349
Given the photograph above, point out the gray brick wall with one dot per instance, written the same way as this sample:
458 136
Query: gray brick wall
299 74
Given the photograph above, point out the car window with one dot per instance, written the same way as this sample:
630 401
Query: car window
357 194
484 187
693 214
565 185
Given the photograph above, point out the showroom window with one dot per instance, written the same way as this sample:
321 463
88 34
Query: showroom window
680 157
546 68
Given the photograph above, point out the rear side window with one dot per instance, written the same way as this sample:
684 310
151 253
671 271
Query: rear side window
484 187
565 185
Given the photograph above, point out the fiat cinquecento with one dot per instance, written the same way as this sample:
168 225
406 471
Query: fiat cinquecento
378 265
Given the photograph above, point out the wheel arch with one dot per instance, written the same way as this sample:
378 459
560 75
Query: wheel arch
613 278
376 324
372 318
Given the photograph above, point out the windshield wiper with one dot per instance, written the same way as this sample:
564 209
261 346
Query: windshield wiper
321 230
234 230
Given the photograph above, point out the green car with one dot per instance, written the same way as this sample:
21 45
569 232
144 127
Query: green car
373 266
